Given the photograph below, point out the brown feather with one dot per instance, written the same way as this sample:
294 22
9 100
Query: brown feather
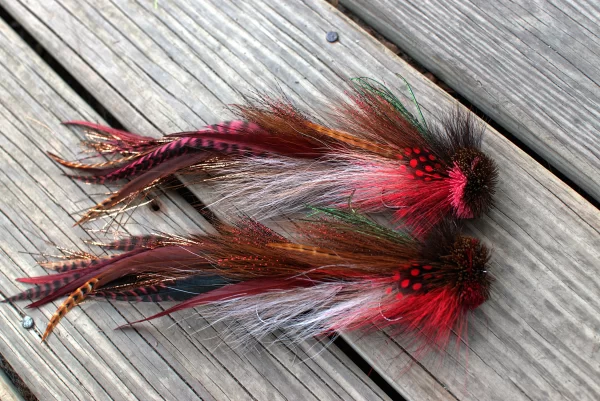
76 297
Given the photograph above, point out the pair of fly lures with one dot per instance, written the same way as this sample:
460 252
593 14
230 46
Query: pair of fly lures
344 271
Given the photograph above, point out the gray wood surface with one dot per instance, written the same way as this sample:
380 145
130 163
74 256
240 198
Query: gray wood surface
173 68
532 66
85 358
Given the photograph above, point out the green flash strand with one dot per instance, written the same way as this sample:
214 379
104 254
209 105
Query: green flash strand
369 85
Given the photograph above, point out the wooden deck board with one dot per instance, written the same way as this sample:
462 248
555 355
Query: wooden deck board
174 69
86 358
532 66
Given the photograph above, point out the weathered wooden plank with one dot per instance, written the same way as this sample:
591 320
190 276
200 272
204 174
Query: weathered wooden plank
87 359
173 69
530 65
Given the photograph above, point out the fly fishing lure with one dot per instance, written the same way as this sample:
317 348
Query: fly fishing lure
345 272
278 159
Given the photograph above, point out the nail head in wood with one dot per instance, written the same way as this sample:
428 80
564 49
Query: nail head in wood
27 322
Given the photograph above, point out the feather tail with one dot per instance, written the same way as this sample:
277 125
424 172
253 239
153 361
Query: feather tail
72 300
75 278
165 290
148 162
231 138
139 185
233 291
72 264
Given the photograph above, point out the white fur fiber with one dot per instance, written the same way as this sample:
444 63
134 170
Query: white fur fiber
300 312
267 187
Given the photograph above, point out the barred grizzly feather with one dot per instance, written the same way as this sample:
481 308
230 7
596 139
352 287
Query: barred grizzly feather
278 158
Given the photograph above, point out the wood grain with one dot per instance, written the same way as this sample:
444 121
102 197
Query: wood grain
529 65
174 69
86 358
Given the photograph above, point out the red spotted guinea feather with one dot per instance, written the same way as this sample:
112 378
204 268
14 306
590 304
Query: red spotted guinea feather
343 272
277 159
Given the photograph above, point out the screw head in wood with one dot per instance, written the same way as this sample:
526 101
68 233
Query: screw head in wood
332 36
27 322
